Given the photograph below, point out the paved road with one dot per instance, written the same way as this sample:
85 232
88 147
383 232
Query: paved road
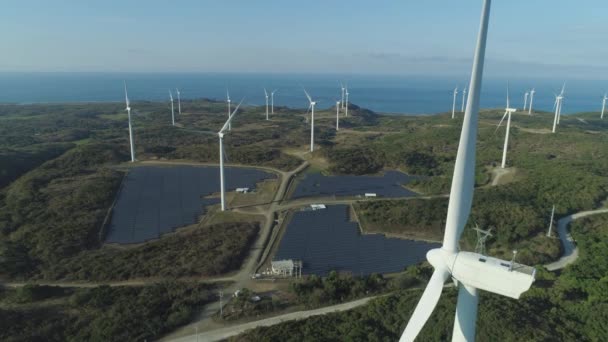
570 250
224 333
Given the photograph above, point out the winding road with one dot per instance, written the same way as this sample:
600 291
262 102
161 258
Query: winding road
570 250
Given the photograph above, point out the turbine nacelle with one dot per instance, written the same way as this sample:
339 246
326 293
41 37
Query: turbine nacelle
511 110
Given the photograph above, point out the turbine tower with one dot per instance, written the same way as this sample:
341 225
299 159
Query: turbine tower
179 102
128 109
470 270
464 93
346 101
454 101
222 156
312 121
551 221
272 101
531 100
508 112
604 104
266 94
526 99
561 101
337 116
172 110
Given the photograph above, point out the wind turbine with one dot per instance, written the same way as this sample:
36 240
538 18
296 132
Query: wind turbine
221 136
346 102
531 100
128 109
172 110
312 121
526 99
228 100
454 101
266 93
337 116
551 221
464 93
471 271
179 102
604 105
561 101
272 101
508 112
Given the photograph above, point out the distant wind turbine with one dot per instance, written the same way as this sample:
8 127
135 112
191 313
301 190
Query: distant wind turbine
604 105
531 101
312 120
272 101
470 271
337 115
346 101
464 93
179 102
508 112
266 93
128 109
526 100
454 101
172 110
222 156
561 95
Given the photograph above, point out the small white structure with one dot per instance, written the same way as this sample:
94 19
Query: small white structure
370 195
317 206
242 190
282 267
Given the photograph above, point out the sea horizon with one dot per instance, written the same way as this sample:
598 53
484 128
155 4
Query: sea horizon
389 94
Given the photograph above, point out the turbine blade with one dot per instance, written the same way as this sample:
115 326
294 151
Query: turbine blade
265 92
308 96
466 313
230 117
274 91
425 306
126 95
508 95
501 120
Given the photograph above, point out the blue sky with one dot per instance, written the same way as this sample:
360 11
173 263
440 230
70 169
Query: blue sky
528 38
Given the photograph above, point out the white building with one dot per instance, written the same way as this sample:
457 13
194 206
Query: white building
282 267
242 190
317 206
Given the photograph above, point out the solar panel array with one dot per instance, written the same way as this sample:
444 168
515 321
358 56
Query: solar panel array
326 240
155 200
387 185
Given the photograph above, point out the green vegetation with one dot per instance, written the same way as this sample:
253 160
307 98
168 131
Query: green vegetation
102 313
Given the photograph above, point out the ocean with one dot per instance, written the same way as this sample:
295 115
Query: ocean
413 95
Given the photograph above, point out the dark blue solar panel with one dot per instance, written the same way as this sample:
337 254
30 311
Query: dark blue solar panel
326 240
390 184
155 200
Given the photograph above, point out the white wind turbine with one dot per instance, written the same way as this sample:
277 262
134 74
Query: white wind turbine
312 121
561 101
228 100
531 100
337 115
346 101
464 93
179 102
266 93
508 112
454 101
222 157
471 271
128 109
558 108
172 110
604 104
526 99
